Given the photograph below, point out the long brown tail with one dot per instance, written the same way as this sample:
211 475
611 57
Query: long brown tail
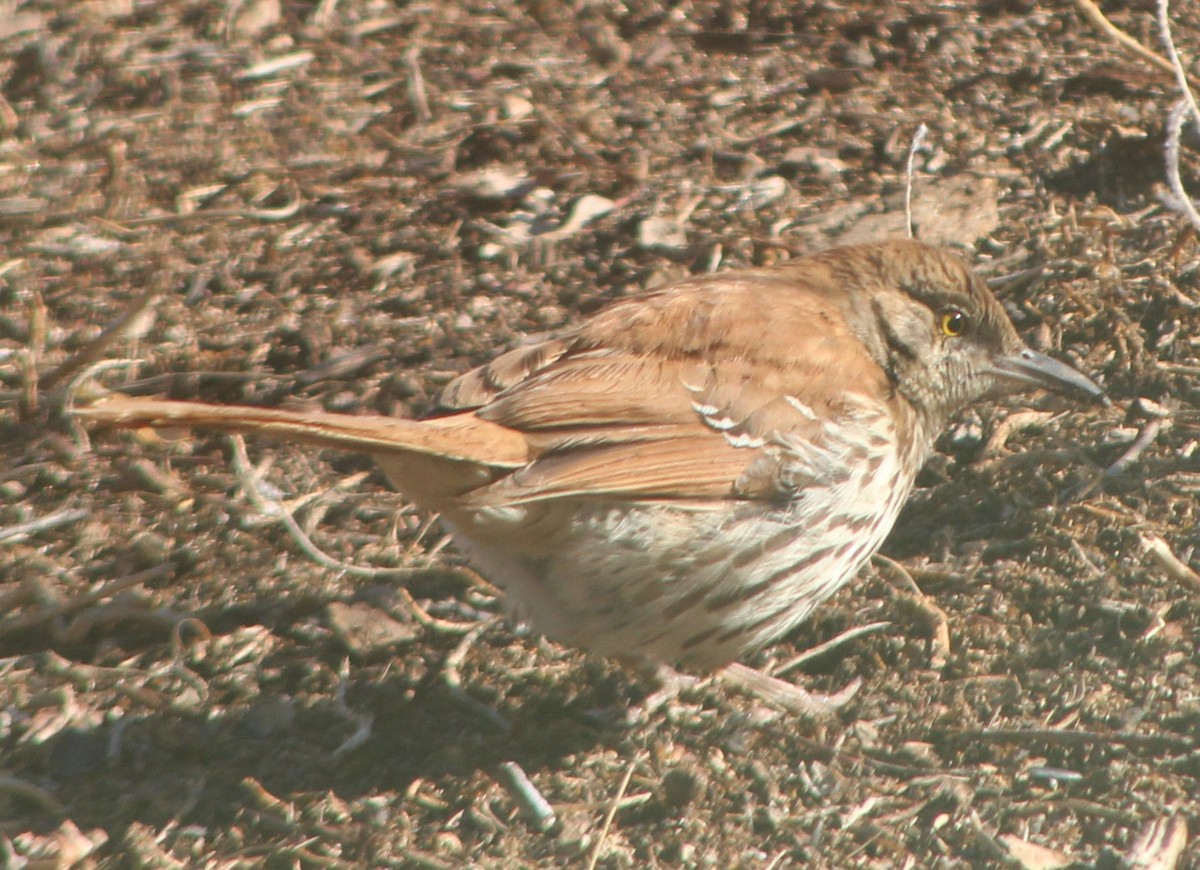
421 457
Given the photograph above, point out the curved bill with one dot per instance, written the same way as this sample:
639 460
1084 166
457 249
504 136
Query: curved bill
1038 370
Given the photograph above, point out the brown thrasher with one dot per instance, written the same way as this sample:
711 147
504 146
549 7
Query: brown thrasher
684 476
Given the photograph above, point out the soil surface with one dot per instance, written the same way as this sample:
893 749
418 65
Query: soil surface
342 205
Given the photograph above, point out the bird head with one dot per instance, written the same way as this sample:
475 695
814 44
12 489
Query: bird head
942 336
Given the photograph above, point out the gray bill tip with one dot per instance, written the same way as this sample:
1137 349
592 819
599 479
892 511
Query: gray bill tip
1038 370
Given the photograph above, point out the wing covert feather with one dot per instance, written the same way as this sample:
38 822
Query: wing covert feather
661 398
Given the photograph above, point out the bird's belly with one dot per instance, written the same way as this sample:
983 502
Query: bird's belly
691 586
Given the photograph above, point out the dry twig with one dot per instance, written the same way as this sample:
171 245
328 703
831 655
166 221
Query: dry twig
127 321
935 617
1160 553
611 814
1093 14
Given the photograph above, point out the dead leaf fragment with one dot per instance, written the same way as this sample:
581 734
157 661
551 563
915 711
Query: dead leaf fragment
367 630
1031 856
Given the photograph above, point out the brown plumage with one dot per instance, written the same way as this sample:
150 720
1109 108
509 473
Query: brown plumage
686 474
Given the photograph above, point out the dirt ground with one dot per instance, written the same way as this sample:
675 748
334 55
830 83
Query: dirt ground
343 204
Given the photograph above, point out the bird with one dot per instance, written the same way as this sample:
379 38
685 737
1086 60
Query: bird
684 476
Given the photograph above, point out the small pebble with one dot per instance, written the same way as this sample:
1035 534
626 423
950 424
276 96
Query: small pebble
12 489
366 630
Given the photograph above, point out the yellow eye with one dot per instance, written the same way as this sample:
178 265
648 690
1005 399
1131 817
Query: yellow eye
954 323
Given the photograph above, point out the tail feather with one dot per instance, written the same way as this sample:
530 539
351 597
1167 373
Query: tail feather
429 460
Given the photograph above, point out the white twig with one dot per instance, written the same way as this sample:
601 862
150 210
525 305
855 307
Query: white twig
918 142
21 531
363 722
1179 200
452 676
1184 109
1144 439
274 508
1181 79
